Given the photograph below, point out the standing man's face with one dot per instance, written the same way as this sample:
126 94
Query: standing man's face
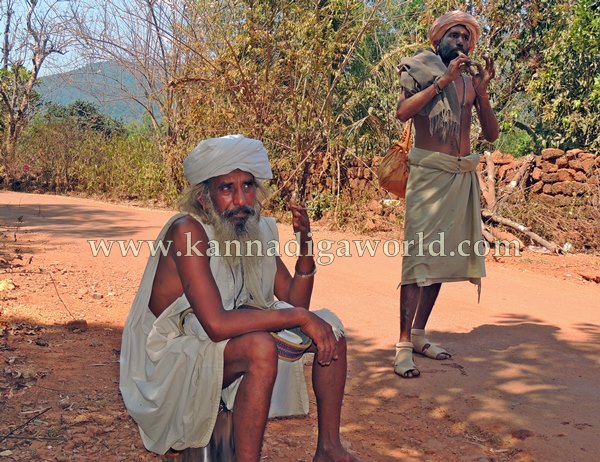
454 40
234 196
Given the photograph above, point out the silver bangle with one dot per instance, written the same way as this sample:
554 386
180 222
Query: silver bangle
306 275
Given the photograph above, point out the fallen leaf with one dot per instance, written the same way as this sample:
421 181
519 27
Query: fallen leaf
7 284
81 418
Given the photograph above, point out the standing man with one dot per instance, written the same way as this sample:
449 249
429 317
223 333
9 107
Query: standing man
186 346
443 214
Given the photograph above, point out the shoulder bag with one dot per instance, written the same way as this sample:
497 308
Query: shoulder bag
394 168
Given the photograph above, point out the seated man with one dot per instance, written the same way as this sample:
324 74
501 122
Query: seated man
177 367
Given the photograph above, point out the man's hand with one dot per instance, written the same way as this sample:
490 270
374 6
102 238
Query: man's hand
482 80
322 336
455 68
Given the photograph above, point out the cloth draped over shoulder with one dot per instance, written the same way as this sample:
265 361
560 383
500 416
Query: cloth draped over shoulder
443 220
171 377
416 74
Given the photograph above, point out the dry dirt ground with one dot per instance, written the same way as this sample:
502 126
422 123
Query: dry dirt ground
522 384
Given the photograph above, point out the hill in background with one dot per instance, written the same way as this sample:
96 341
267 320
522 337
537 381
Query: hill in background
105 84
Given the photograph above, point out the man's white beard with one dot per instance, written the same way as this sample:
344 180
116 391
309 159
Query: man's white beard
251 265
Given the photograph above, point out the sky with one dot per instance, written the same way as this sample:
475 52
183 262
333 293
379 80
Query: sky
55 63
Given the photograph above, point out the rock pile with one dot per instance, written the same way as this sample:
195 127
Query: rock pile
555 175
560 175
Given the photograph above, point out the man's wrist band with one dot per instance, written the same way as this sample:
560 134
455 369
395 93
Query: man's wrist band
306 275
436 84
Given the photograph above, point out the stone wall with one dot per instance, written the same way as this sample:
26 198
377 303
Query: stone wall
555 175
355 175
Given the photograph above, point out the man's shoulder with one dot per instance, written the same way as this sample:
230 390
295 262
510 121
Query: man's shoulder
185 222
419 55
186 218
424 51
421 68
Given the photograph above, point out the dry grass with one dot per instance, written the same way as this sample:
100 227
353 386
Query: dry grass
575 222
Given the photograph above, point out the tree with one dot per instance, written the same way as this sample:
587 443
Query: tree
279 71
85 116
32 31
566 85
144 38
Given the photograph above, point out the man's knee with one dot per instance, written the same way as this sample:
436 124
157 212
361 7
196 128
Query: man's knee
341 347
261 351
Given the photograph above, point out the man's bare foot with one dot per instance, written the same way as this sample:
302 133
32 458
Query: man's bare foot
335 455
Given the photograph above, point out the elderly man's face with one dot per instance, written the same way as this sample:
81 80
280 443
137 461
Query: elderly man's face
234 196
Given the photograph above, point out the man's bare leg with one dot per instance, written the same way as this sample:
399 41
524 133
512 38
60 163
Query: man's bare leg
409 301
255 356
328 383
427 300
410 295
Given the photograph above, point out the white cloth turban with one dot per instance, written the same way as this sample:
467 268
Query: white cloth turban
220 156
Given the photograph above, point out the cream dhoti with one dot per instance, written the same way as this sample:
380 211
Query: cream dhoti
442 229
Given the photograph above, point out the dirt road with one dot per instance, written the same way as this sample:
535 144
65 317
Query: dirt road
522 384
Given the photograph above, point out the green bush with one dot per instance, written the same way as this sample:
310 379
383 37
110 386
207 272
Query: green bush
319 204
61 154
123 167
516 142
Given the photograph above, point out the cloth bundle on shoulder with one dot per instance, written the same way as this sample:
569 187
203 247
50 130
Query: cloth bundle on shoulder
394 168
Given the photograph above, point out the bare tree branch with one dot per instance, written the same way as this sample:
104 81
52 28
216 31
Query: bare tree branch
43 34
552 247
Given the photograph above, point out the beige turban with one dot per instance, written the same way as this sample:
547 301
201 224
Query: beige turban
220 156
449 20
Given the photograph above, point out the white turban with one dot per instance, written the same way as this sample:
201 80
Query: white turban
220 156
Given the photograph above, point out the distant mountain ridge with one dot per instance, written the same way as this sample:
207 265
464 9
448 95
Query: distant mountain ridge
105 84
